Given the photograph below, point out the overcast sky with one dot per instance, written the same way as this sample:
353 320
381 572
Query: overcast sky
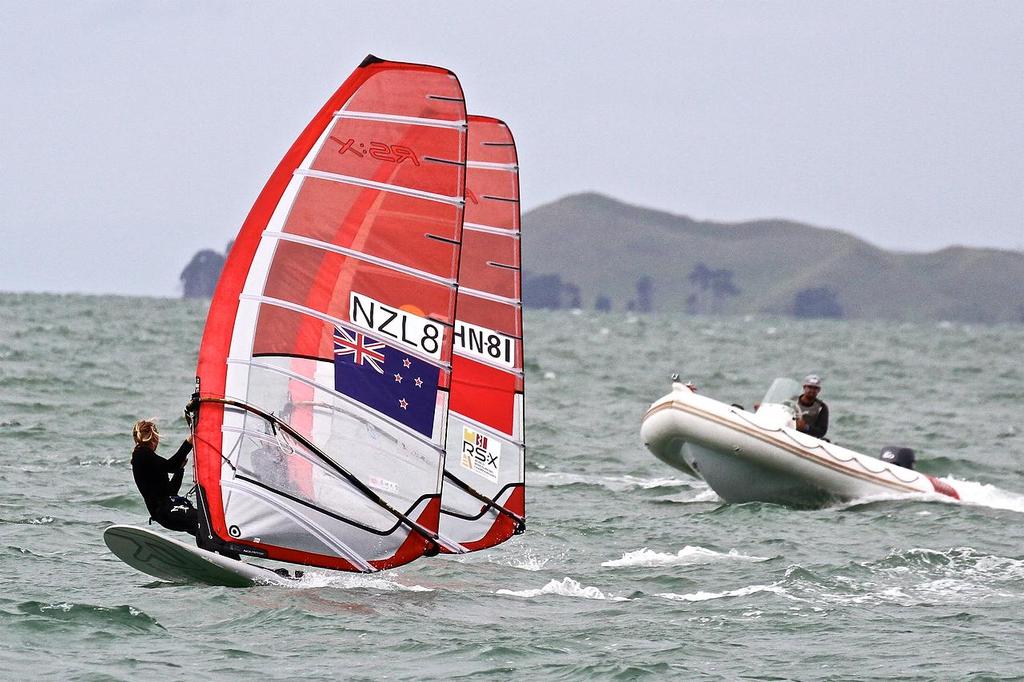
134 133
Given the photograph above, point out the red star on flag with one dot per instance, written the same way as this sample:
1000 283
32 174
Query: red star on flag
403 403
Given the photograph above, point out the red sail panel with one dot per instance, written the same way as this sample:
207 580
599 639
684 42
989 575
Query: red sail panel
485 394
486 455
334 315
330 212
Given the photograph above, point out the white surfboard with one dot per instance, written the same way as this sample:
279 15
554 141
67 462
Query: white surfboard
174 561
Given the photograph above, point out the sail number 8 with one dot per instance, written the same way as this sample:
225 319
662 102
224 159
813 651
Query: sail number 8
407 329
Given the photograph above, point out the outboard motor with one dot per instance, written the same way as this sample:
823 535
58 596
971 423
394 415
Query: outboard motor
903 457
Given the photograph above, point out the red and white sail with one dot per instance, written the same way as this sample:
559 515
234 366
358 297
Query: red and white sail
326 361
483 497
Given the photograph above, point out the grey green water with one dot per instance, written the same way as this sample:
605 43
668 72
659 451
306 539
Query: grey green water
629 570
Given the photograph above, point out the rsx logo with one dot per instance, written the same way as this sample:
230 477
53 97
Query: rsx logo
481 454
382 151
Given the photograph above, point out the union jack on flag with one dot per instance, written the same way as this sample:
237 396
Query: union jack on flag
360 347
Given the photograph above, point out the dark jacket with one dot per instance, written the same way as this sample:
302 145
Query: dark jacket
815 418
156 477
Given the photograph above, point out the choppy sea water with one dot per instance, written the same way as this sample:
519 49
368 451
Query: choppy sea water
628 570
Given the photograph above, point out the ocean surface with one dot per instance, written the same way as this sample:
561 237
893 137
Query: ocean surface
629 569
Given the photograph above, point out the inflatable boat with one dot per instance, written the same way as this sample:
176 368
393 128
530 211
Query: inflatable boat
761 457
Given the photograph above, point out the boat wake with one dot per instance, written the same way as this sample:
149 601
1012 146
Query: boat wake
695 495
987 495
687 556
971 493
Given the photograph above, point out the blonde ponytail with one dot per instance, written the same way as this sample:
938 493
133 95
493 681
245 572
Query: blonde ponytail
145 433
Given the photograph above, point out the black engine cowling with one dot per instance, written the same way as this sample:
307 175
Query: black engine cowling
899 456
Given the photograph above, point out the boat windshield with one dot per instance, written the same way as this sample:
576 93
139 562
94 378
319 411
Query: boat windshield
782 391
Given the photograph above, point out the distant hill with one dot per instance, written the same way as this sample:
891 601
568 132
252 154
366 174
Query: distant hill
591 251
199 278
601 249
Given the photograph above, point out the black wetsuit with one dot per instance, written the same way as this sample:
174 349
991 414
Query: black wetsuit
159 481
815 418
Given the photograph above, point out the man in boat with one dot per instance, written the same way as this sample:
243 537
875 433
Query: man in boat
159 479
811 412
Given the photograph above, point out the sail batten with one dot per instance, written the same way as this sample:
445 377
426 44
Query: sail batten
491 229
383 262
394 118
491 165
490 363
491 431
488 296
382 186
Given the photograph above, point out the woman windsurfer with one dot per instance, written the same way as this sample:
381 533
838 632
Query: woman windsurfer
159 479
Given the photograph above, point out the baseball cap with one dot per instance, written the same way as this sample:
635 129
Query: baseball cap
812 380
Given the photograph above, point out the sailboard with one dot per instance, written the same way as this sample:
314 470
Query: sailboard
326 363
176 562
483 493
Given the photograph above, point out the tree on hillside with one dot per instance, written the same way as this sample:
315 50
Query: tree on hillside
644 295
542 291
709 283
721 288
572 295
549 291
700 277
815 302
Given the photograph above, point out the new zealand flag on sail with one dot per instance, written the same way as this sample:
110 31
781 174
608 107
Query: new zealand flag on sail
385 378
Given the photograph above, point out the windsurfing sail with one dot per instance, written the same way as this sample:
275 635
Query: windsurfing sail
483 496
325 364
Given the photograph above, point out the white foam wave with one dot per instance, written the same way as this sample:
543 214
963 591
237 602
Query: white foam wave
971 492
555 479
109 461
529 563
686 556
313 579
566 587
895 497
741 592
986 495
905 577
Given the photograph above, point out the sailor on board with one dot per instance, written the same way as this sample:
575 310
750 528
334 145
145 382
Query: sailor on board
159 479
812 413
